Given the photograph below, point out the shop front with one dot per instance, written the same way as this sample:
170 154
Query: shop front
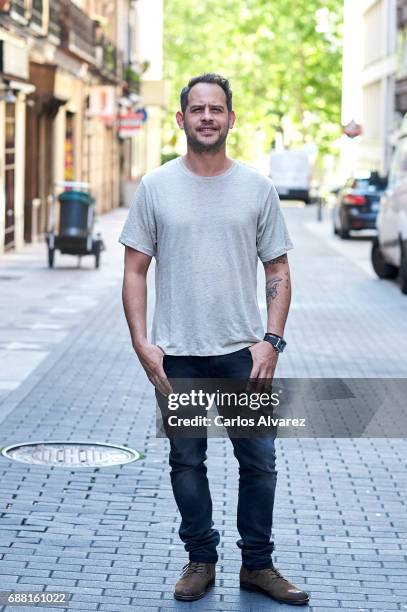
14 89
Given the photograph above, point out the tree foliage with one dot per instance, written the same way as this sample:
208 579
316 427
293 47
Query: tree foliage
283 60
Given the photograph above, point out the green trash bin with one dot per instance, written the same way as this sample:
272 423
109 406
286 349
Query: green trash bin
76 213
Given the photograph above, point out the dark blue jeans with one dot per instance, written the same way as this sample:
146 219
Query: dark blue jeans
257 474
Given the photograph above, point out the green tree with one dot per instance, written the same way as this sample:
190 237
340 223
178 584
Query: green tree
282 58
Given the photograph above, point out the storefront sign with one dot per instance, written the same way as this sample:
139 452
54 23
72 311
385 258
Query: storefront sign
353 129
131 122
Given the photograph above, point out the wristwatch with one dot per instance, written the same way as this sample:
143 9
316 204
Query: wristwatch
277 342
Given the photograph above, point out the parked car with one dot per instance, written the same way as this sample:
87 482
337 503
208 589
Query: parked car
357 204
389 250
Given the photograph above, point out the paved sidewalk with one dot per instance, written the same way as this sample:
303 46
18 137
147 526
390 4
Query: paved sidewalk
109 536
40 307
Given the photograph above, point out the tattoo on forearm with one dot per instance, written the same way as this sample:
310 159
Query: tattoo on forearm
277 260
274 280
272 285
272 288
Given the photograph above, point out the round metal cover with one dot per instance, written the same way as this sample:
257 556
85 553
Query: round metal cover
71 454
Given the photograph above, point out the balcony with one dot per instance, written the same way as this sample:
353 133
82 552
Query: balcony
401 95
42 16
109 59
17 9
77 32
132 80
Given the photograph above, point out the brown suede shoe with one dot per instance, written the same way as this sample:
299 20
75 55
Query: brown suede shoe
196 578
272 583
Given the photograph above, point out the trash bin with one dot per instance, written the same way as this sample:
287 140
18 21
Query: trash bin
76 213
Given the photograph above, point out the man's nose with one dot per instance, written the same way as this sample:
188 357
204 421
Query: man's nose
207 115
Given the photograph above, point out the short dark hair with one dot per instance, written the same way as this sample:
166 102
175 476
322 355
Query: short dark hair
208 77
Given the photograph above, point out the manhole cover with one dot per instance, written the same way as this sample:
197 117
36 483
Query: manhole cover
71 454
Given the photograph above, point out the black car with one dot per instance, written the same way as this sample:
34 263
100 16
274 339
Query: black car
357 204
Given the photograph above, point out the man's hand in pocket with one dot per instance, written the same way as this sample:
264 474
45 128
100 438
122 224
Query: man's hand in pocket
264 365
151 358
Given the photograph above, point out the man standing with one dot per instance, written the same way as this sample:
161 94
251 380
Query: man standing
207 219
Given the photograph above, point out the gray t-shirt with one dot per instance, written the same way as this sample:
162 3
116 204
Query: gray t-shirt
206 234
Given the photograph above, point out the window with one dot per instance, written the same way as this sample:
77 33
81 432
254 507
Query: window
372 110
40 16
20 10
402 53
374 24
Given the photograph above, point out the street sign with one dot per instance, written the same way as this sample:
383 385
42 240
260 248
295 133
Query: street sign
131 122
352 129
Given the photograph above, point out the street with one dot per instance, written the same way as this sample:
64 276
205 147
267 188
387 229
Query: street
109 535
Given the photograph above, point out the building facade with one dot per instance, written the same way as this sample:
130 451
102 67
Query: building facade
369 77
69 71
401 80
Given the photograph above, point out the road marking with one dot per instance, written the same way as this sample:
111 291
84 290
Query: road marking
63 311
45 326
17 346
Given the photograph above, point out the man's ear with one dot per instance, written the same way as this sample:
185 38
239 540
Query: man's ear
232 119
180 119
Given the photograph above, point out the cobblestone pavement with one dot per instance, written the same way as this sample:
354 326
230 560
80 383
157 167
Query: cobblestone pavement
109 535
39 307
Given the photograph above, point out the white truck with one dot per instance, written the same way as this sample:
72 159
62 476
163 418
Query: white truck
290 171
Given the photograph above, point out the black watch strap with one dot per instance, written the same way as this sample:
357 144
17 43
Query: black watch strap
278 343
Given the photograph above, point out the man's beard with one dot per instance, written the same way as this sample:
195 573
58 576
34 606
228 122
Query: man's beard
200 147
